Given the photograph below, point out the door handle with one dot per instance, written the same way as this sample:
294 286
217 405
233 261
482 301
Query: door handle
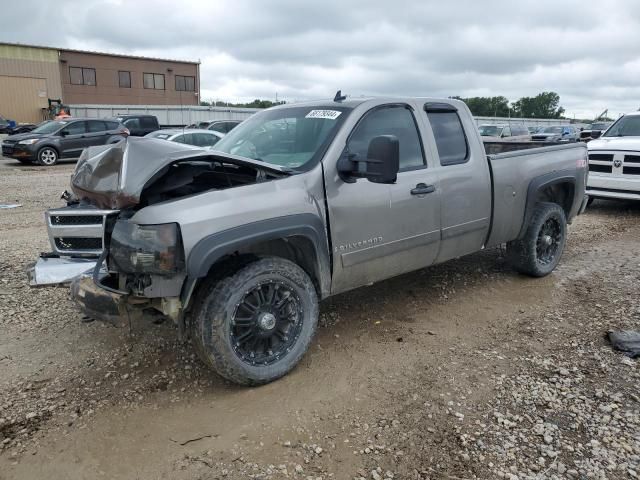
423 189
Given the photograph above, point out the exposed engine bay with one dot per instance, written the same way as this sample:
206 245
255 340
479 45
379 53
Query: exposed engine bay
191 177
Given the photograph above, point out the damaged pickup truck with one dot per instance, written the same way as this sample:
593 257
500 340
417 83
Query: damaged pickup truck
298 203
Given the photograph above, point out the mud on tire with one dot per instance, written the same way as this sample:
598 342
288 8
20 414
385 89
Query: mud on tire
254 325
538 252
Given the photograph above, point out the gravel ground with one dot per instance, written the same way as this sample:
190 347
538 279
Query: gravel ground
462 371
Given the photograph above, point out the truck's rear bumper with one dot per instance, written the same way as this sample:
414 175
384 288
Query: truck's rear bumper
58 270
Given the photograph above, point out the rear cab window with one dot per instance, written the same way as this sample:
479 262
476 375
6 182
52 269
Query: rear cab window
448 132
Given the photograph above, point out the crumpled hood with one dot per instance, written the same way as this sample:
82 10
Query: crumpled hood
615 143
113 176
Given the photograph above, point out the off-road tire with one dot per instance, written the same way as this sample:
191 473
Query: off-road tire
47 157
213 311
524 254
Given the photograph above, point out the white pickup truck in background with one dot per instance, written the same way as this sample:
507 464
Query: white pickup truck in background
614 161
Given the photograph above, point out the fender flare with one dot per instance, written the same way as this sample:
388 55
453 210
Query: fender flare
540 183
213 247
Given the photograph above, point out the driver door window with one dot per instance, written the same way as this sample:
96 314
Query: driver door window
396 120
76 128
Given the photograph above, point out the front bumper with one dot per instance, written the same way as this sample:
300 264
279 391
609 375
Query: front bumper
58 270
623 187
19 152
96 302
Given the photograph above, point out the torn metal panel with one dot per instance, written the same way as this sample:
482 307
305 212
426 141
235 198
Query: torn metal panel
56 271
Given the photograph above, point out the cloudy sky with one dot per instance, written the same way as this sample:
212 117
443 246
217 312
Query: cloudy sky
587 51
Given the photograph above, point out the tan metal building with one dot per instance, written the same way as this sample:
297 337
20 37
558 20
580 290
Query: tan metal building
101 78
30 75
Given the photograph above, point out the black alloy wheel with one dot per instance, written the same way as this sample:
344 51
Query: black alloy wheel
266 323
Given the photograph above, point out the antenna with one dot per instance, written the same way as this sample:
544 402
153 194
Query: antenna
339 97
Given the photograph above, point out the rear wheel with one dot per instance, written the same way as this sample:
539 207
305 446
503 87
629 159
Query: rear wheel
255 325
47 156
540 249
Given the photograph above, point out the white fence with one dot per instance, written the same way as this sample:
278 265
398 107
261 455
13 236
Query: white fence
527 122
174 115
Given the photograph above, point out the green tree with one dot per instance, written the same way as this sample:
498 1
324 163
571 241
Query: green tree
257 103
487 106
543 105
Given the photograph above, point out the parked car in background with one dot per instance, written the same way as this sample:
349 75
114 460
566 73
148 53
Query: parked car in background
301 202
614 161
138 125
223 126
534 129
594 130
199 125
556 133
509 133
57 139
195 137
11 127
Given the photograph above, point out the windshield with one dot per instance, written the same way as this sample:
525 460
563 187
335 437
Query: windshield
490 130
552 130
290 137
49 127
627 126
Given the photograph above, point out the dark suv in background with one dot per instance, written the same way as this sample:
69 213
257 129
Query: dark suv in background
138 125
57 139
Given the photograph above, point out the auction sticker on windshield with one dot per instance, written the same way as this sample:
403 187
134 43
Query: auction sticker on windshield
328 114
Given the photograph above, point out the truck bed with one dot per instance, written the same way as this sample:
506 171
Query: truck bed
512 173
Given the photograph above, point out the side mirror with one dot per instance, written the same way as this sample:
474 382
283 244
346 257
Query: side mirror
381 165
596 134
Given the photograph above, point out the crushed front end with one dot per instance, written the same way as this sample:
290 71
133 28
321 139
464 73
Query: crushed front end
119 268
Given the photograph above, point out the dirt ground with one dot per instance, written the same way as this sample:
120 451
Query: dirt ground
465 370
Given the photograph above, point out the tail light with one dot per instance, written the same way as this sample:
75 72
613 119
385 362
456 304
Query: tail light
124 131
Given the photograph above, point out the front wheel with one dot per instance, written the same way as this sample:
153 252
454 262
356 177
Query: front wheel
255 325
47 156
538 252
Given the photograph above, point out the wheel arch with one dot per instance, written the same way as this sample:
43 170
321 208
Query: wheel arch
300 238
51 146
555 187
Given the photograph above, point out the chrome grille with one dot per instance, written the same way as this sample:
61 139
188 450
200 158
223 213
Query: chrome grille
77 230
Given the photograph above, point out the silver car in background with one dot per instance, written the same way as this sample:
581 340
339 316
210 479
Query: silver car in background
557 133
506 133
197 138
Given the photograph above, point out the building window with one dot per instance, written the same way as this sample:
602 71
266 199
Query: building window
124 79
185 84
82 76
153 80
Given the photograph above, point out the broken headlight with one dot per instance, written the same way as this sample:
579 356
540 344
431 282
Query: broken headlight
151 249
